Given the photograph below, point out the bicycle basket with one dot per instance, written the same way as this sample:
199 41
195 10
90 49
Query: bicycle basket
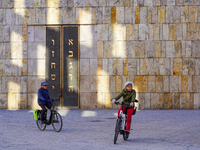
35 113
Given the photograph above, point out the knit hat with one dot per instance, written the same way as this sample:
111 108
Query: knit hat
128 83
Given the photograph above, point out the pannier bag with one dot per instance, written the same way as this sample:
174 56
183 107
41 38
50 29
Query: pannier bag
37 114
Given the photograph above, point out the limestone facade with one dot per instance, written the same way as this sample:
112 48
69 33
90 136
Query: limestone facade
153 43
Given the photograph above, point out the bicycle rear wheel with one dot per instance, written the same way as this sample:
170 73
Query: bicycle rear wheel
40 126
117 129
56 121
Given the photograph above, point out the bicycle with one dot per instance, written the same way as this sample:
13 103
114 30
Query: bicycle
55 118
121 122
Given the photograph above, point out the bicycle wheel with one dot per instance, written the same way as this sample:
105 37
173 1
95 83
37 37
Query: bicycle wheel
40 126
125 134
117 129
56 121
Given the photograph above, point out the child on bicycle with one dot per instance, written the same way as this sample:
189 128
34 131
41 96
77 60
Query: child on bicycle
129 95
44 100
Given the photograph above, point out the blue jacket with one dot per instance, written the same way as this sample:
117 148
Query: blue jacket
43 95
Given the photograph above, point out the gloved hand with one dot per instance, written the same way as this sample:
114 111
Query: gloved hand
131 104
45 100
136 100
113 101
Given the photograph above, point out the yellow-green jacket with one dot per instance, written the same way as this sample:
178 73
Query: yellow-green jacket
128 97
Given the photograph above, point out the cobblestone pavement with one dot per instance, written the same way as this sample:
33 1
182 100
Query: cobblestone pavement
94 129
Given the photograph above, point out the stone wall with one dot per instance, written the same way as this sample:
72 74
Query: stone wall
153 43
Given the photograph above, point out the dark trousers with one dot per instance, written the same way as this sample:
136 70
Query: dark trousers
48 105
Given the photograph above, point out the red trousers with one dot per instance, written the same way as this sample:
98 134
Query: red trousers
129 115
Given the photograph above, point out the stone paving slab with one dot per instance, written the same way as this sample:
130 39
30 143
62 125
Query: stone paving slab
94 130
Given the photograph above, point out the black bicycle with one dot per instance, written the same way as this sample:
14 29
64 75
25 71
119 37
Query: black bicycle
55 118
121 122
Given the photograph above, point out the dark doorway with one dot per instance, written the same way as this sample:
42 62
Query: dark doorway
62 64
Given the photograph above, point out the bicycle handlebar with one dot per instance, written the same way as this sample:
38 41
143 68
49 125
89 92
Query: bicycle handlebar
122 103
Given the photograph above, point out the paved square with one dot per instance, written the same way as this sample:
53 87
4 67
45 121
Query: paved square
94 130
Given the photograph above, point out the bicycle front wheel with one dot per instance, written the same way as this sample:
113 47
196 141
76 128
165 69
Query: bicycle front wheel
125 134
56 122
117 129
40 126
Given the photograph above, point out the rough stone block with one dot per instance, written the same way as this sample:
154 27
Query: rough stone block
162 66
125 67
166 84
102 31
143 15
158 49
142 66
137 15
154 17
174 84
138 83
155 101
170 49
188 101
148 2
11 101
100 49
192 14
188 48
156 65
32 101
84 69
182 100
176 14
172 32
168 101
8 67
40 16
119 66
195 49
128 15
161 14
184 13
100 67
147 103
118 84
185 66
142 31
151 84
150 45
93 66
120 15
85 83
169 14
130 49
191 66
3 101
171 2
176 100
39 34
177 68
165 32
184 82
21 100
139 49
112 84
141 100
132 67
196 101
156 32
117 32
150 32
159 83
179 31
88 49
150 66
